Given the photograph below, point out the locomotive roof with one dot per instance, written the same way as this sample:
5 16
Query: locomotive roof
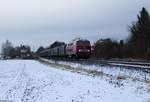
79 39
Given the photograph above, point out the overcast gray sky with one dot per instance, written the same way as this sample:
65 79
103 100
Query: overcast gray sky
41 22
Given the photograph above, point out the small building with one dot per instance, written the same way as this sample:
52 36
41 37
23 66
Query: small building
25 51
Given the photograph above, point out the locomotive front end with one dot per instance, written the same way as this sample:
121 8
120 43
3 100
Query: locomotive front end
83 49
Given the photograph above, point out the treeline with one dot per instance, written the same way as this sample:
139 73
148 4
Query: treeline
136 46
8 51
106 48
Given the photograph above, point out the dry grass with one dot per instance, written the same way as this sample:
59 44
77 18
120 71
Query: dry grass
70 68
121 77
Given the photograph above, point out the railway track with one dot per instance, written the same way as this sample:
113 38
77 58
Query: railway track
132 64
137 65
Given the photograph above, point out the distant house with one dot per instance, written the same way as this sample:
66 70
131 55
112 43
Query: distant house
25 51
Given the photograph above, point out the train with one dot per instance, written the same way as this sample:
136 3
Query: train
77 48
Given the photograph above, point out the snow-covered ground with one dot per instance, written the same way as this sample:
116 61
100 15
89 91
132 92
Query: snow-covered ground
31 81
127 72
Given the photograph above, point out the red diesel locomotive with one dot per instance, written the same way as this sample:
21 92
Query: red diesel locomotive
79 48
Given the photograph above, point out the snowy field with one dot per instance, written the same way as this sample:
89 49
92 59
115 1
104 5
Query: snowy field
31 81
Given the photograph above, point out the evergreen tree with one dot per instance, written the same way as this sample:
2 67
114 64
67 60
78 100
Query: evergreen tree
140 34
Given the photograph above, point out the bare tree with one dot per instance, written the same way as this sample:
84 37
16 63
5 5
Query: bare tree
7 49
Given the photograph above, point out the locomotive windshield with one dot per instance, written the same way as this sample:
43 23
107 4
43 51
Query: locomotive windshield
86 42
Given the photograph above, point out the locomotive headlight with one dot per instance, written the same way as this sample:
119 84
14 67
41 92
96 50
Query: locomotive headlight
80 50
